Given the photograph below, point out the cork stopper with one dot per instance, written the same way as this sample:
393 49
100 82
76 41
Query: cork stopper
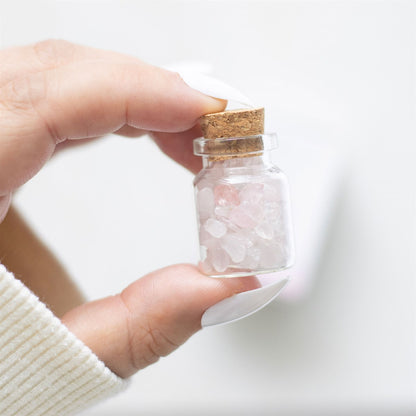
234 123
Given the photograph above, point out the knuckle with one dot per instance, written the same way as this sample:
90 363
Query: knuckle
24 96
54 52
146 342
159 345
24 93
141 344
146 347
175 76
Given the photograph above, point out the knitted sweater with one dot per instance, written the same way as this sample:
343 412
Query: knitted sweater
44 368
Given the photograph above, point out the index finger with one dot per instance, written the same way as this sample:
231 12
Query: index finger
88 95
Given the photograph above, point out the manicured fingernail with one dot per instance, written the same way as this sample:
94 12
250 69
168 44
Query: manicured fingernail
243 304
214 87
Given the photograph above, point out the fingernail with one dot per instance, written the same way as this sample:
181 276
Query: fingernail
242 305
213 87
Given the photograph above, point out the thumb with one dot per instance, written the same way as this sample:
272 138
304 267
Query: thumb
151 317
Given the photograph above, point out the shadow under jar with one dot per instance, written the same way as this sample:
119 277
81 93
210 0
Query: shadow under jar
243 207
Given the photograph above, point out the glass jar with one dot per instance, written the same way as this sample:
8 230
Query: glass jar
243 208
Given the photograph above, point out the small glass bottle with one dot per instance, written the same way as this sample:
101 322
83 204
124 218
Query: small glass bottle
242 199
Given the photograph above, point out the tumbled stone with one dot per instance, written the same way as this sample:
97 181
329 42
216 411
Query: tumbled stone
243 226
252 259
226 195
265 230
220 259
216 228
252 193
235 247
222 212
246 215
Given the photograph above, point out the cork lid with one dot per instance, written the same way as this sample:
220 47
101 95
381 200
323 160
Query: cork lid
230 134
233 123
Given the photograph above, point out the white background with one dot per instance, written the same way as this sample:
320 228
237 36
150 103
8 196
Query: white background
341 72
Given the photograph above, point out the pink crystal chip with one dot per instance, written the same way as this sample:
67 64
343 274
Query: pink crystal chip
216 228
241 226
226 195
222 212
252 193
235 246
246 215
220 259
265 231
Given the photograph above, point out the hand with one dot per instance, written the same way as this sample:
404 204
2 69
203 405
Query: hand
55 92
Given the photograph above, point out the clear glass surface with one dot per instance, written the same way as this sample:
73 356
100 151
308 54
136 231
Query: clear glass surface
244 217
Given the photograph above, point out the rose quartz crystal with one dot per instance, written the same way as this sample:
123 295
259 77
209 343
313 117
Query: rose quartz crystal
216 228
241 227
226 195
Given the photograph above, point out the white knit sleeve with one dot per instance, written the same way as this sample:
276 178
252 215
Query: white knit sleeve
44 368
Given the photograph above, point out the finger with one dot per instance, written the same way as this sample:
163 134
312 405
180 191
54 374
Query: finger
151 317
17 62
126 131
179 147
86 98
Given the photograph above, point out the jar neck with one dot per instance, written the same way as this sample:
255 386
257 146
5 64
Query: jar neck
260 159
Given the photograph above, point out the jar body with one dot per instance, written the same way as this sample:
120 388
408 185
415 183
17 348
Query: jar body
244 217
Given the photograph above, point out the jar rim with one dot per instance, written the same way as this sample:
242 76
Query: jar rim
234 146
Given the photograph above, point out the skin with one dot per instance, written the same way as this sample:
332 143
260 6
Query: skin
52 95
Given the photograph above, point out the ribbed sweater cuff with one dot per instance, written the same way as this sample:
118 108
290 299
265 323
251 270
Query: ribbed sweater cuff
44 368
